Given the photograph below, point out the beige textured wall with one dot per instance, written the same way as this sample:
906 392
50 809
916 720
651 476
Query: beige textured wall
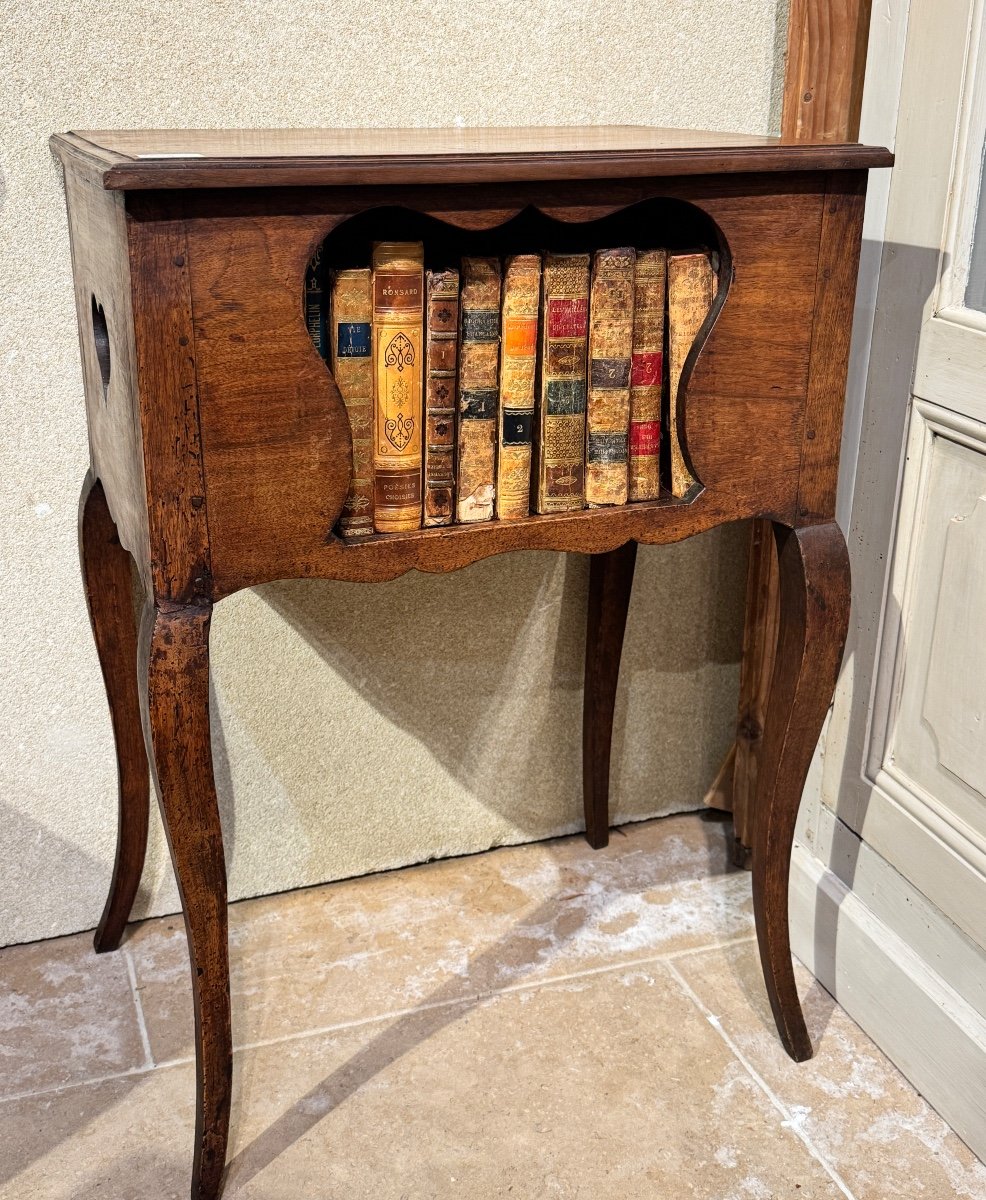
330 762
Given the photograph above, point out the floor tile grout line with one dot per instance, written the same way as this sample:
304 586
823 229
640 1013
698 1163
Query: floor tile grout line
471 998
762 1084
726 944
152 1064
132 1073
139 1008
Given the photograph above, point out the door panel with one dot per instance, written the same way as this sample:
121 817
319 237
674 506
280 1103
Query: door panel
935 741
955 694
951 366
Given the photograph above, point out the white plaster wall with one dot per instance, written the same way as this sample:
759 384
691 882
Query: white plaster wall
328 762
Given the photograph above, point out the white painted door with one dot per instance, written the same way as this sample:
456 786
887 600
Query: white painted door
932 671
889 880
897 829
905 765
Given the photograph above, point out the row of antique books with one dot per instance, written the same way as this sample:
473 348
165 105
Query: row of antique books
495 390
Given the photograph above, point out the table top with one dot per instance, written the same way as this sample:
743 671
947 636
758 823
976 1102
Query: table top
140 159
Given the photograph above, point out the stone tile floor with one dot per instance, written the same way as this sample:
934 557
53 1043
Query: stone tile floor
539 1021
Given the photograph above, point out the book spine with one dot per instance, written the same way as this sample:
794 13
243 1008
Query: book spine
315 303
440 364
561 423
610 347
647 375
350 313
478 369
691 290
518 360
398 321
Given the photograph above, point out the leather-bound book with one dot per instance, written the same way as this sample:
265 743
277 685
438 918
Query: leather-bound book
350 313
610 346
442 348
398 343
560 445
314 303
518 360
691 290
647 374
479 349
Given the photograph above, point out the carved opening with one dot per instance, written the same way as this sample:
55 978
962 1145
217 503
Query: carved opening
680 228
101 341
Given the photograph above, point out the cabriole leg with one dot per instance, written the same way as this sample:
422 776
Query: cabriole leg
106 576
175 656
610 583
814 617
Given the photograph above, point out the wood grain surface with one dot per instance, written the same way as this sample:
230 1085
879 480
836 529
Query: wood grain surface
221 449
275 438
823 93
826 63
814 620
610 582
174 682
207 158
106 575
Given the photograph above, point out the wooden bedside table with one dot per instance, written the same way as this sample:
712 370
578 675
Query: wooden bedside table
221 449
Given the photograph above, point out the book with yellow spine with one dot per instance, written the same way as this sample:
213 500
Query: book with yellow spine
647 375
691 290
398 326
478 370
560 443
350 313
518 360
610 346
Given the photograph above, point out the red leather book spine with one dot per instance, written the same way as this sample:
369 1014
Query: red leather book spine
647 375
561 421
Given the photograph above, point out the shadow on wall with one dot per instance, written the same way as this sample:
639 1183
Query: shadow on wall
483 668
441 657
372 726
908 278
40 854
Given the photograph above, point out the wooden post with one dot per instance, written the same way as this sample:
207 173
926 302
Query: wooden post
826 61
823 93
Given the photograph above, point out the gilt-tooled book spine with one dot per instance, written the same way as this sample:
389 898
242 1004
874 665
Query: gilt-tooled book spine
440 366
315 303
691 290
647 375
518 360
350 313
610 346
561 420
398 342
478 369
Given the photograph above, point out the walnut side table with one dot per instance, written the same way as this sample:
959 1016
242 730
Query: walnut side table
221 449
